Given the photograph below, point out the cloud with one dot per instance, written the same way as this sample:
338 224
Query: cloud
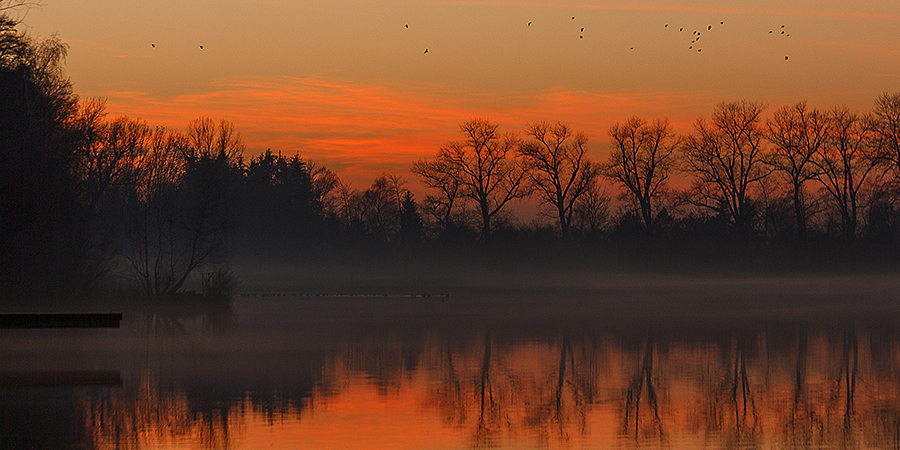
362 130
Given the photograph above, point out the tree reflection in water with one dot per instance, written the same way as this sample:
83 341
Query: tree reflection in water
494 385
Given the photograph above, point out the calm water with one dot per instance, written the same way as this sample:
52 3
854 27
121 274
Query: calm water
711 366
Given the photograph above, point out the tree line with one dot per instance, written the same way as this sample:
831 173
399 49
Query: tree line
84 196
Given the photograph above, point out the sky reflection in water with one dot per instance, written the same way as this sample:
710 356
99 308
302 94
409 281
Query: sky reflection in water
280 377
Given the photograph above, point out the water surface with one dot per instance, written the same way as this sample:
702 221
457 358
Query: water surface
690 366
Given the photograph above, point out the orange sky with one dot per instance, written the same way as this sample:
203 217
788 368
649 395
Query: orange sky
347 84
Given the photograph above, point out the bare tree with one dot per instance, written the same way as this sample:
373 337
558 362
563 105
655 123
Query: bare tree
180 213
383 203
110 158
484 167
797 134
725 157
886 117
558 169
206 139
440 176
349 206
641 160
592 208
845 162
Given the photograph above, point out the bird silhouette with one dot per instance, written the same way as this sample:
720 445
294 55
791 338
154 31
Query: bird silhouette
153 45
632 48
573 17
201 47
426 51
529 24
582 29
770 31
721 23
681 29
580 37
407 25
709 28
785 58
667 26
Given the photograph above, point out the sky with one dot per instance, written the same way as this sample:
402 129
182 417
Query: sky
348 84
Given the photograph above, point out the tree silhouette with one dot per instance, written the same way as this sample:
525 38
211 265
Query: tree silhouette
845 162
797 134
42 232
442 177
180 213
642 158
484 168
592 208
411 227
558 169
383 203
886 117
725 157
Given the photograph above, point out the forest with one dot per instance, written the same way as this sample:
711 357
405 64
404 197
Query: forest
89 201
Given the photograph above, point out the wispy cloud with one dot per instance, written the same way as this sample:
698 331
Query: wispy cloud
363 130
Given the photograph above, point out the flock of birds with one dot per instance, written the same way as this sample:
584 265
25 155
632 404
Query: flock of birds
693 43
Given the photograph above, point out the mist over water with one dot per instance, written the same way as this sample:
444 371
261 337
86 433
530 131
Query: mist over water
628 363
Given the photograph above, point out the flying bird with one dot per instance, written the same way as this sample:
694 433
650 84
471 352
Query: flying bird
721 23
529 24
153 45
580 37
426 51
785 57
681 29
407 25
667 26
582 29
201 47
709 28
573 17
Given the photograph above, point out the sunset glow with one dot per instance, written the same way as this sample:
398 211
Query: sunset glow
348 85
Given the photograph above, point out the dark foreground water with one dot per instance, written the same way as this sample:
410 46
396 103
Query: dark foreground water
714 364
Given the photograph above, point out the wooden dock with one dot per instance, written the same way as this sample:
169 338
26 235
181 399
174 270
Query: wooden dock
59 320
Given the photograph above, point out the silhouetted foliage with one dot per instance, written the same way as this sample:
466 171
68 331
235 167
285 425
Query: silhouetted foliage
84 196
42 232
845 162
725 157
642 157
798 135
284 199
558 169
484 168
411 226
886 121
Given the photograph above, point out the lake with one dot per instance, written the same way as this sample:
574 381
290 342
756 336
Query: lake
712 363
